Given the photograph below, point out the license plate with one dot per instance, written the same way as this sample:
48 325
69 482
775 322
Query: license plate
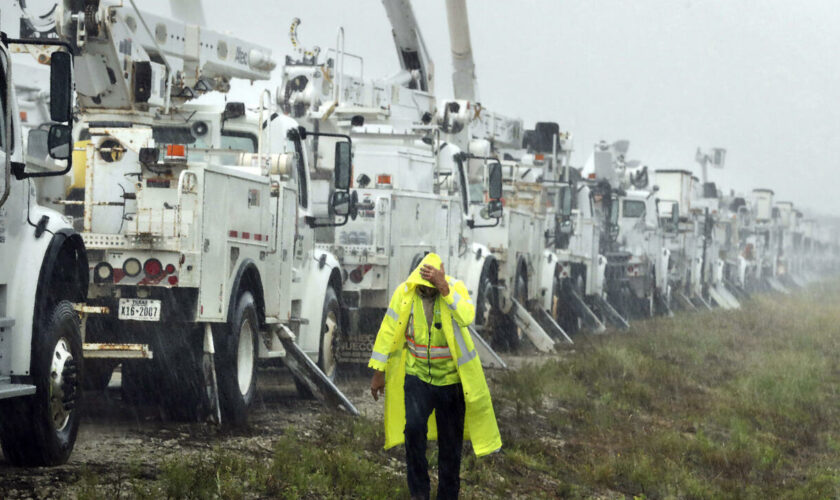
139 309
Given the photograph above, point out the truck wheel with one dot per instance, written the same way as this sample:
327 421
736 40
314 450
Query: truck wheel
566 316
331 338
331 335
485 301
236 361
41 429
509 334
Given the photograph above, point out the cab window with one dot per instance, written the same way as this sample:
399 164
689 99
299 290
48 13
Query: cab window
462 184
632 209
299 171
3 104
239 142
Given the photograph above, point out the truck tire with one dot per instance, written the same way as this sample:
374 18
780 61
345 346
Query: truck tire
40 430
331 335
566 316
509 335
485 302
236 360
331 338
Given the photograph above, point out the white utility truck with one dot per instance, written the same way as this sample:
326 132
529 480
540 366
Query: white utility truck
572 234
633 242
410 192
515 303
43 277
197 218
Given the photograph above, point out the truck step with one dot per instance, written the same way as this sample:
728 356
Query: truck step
117 351
684 301
551 326
307 372
719 299
775 285
611 315
489 358
10 390
582 309
700 302
6 323
541 340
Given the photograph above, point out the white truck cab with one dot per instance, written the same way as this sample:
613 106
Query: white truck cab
43 279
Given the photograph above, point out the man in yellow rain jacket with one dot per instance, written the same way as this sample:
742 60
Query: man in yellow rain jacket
426 364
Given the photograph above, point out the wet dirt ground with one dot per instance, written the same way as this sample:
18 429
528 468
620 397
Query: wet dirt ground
118 440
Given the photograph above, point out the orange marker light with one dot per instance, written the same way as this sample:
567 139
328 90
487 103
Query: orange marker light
383 179
176 151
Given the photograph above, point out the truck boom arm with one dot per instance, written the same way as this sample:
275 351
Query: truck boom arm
129 59
411 49
463 67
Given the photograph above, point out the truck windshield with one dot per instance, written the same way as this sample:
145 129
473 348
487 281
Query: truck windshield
632 209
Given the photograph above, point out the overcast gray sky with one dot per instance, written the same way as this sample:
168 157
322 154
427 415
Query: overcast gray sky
758 77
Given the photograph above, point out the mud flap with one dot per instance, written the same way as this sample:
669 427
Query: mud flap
489 358
776 286
613 316
585 313
523 319
307 372
551 326
209 371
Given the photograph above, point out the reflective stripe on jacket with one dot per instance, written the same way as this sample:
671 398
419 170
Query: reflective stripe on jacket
429 357
390 351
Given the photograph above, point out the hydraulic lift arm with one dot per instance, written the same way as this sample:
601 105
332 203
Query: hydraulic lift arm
411 49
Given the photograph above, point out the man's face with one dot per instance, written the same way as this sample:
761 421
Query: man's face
426 291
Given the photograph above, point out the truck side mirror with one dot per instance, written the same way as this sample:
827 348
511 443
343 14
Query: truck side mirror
345 204
495 181
566 227
343 165
494 208
494 191
59 141
61 87
56 140
565 201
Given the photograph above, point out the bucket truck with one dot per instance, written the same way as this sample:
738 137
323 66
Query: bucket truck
633 242
43 275
410 193
518 304
692 217
197 218
573 234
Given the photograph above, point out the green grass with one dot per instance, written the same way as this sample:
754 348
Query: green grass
741 404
